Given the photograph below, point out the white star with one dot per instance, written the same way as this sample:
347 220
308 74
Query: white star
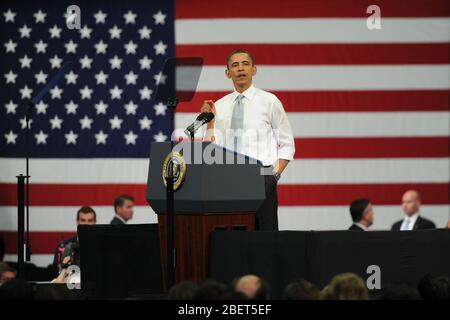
25 31
26 92
160 137
56 122
160 109
145 93
40 46
130 137
11 137
100 47
160 78
100 17
145 32
10 77
130 47
115 32
23 123
160 48
86 123
10 46
101 77
101 107
9 15
101 137
115 62
71 137
86 93
39 16
41 137
145 63
131 107
11 107
159 18
56 62
25 62
71 47
130 17
85 62
145 123
115 93
85 32
71 107
55 32
71 77
131 77
41 107
56 92
41 77
115 122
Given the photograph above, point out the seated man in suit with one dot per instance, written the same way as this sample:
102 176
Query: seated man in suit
85 215
412 219
361 211
123 207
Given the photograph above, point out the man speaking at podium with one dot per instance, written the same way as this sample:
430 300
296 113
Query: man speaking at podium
253 122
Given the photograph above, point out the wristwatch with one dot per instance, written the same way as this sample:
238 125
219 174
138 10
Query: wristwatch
277 176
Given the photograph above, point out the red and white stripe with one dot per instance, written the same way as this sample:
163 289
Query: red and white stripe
369 111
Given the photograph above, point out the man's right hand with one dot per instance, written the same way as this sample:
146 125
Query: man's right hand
208 106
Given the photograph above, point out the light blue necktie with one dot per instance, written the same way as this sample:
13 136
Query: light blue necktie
237 123
406 224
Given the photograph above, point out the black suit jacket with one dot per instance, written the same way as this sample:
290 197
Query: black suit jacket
355 227
421 224
116 221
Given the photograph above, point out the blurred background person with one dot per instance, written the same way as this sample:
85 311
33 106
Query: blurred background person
434 286
361 211
346 286
412 220
253 287
85 215
301 289
6 272
123 208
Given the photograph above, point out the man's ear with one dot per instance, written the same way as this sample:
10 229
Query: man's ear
227 73
254 70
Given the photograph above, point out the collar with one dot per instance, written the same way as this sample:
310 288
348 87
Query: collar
120 218
413 218
361 226
249 93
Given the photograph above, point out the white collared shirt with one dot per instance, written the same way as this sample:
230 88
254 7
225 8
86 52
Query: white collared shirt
267 132
361 226
412 222
120 218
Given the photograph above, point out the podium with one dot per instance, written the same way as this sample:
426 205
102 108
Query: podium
215 189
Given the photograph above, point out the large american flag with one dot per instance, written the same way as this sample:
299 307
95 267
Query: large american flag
369 108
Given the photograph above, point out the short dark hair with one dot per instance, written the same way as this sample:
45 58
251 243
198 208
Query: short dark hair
120 200
184 290
210 289
240 51
301 290
357 208
85 210
434 286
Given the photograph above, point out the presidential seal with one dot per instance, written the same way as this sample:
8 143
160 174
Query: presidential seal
174 161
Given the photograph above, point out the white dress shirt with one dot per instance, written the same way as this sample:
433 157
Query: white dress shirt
361 226
267 134
409 222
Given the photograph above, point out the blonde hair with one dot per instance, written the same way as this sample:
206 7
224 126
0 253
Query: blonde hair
345 286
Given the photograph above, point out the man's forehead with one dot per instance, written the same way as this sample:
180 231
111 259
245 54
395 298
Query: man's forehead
240 57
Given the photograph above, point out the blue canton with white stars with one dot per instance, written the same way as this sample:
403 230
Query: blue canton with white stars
103 105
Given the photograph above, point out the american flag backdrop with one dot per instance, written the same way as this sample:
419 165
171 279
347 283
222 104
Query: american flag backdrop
369 108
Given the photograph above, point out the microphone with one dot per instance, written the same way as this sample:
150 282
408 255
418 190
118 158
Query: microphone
202 118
